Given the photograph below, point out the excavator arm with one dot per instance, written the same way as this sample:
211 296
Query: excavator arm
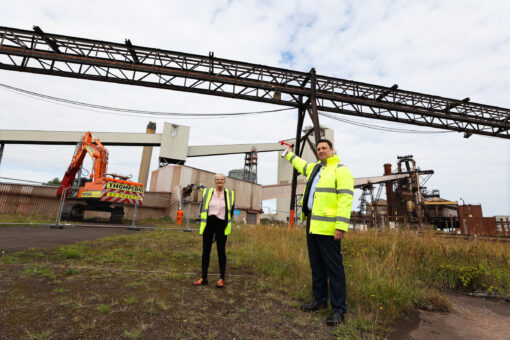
99 156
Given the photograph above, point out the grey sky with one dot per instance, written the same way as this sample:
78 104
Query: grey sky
453 49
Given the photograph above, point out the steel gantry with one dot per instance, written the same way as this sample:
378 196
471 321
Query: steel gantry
39 52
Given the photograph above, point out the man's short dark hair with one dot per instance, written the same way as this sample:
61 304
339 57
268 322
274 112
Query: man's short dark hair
327 141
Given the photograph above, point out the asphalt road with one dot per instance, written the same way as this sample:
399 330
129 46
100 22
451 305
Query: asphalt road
19 237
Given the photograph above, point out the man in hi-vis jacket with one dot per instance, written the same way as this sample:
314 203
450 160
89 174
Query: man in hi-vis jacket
326 206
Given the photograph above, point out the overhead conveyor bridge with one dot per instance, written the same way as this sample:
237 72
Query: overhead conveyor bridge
53 54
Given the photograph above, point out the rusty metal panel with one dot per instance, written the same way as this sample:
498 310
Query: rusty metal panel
489 226
479 226
44 191
471 211
22 199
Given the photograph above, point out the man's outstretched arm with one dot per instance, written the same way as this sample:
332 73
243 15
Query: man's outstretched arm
302 166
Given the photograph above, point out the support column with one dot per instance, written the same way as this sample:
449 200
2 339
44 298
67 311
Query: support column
143 175
312 101
297 148
389 190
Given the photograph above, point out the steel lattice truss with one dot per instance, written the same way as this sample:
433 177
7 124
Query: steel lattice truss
39 52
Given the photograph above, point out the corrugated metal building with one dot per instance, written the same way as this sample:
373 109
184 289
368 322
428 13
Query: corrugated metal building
26 199
22 199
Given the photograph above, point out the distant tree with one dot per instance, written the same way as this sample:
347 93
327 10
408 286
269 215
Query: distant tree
54 181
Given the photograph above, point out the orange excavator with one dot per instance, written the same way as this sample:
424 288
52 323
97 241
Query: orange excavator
101 191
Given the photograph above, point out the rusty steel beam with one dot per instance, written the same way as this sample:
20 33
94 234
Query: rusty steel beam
52 54
314 115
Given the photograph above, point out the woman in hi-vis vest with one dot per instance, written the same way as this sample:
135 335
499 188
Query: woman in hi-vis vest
215 225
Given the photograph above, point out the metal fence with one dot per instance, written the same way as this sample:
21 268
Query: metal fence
41 200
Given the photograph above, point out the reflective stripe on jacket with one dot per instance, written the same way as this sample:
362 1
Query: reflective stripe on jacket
204 208
333 196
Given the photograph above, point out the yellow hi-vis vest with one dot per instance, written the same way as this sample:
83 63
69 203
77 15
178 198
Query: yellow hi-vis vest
333 196
204 209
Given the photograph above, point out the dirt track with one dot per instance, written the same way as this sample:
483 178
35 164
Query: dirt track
471 318
18 237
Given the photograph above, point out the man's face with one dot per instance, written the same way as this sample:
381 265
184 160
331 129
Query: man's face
324 151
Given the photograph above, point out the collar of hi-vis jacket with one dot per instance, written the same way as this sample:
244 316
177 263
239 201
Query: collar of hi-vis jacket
333 160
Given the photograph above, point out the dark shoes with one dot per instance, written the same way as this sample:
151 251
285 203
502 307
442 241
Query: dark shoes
313 306
335 318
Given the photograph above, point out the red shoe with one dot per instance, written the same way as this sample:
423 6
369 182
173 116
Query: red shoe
220 283
200 282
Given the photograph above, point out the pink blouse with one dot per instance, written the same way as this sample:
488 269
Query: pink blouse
217 204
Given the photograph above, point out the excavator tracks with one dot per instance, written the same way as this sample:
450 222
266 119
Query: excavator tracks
73 212
117 215
76 212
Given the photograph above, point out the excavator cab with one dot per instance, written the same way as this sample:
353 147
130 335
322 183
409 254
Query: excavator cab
77 184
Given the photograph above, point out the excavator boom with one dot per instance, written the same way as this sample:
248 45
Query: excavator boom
99 155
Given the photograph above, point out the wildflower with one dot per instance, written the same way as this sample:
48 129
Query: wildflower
381 308
373 295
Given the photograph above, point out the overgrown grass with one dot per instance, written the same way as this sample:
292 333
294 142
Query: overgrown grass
387 272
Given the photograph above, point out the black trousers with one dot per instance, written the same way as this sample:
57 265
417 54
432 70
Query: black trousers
326 264
214 231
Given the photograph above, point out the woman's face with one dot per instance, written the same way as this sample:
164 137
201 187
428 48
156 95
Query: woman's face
220 181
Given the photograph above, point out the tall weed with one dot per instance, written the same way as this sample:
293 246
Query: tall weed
387 272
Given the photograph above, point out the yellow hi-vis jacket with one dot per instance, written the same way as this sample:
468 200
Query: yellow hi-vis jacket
204 209
333 196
